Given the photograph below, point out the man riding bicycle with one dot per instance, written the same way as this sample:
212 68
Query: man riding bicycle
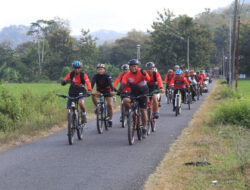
126 90
155 86
168 79
179 82
78 80
193 84
137 80
103 86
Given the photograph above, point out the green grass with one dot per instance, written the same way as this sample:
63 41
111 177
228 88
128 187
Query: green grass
244 87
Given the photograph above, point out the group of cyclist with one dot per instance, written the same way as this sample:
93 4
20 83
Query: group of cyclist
133 81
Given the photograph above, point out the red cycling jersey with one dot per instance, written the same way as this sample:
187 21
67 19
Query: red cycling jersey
77 81
168 78
118 80
179 83
136 78
158 81
201 78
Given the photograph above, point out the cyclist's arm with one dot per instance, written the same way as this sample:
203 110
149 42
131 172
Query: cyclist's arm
145 75
93 81
87 81
159 81
63 82
166 79
110 83
117 80
186 81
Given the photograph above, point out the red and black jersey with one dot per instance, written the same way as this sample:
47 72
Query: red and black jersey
118 80
168 78
155 80
179 82
76 80
103 83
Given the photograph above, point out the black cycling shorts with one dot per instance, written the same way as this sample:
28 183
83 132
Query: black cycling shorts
142 102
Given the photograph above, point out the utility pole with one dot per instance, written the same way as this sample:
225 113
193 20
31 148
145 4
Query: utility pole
237 56
234 40
188 52
230 55
138 47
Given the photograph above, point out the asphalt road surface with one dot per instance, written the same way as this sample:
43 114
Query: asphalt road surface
99 162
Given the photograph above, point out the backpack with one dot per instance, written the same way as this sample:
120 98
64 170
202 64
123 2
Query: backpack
81 77
154 75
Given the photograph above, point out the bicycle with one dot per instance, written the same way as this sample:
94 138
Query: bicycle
169 95
178 102
74 122
123 119
197 90
134 120
188 98
151 121
102 117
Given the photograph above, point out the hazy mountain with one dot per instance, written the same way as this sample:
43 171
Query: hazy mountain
106 36
15 34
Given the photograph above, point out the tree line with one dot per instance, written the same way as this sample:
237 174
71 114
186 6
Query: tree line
49 56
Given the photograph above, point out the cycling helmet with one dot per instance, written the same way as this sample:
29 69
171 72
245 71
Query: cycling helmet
76 64
191 71
178 72
187 71
134 62
177 67
124 67
100 65
150 65
170 71
155 69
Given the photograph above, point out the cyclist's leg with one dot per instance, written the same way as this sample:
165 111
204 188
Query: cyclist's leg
143 107
155 106
110 106
126 102
183 94
81 102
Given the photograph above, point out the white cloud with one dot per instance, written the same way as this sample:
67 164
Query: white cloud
118 15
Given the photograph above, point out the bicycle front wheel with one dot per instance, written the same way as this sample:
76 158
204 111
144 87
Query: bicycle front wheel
124 118
149 120
71 127
131 127
99 119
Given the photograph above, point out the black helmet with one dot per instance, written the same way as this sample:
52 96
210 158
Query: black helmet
150 65
134 62
124 67
100 65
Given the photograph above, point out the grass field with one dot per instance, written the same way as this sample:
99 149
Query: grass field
244 87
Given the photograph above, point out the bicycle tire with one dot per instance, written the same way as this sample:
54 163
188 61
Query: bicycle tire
105 117
123 117
138 125
80 127
131 128
71 130
189 101
149 112
99 120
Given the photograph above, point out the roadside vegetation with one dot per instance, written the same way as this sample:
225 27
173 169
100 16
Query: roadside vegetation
216 145
30 110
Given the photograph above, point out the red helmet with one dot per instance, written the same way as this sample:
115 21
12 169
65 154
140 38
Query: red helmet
170 71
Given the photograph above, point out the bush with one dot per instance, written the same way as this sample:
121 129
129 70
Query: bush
227 92
233 112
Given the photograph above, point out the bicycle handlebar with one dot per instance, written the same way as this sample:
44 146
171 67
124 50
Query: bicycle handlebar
69 97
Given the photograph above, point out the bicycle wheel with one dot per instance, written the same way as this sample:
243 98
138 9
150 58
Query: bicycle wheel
80 127
189 101
124 118
177 107
149 112
105 117
153 125
71 127
99 119
131 127
198 94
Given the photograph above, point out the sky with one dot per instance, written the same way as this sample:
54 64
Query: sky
117 15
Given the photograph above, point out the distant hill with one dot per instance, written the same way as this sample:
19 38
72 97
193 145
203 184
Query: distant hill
15 34
106 36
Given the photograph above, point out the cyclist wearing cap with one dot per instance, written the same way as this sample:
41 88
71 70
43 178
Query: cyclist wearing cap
179 82
78 80
137 80
155 85
104 86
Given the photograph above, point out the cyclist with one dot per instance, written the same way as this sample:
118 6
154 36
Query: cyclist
126 90
137 80
176 67
192 83
154 84
179 82
103 86
168 79
78 80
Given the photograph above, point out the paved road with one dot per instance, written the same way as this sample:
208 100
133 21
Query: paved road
99 162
